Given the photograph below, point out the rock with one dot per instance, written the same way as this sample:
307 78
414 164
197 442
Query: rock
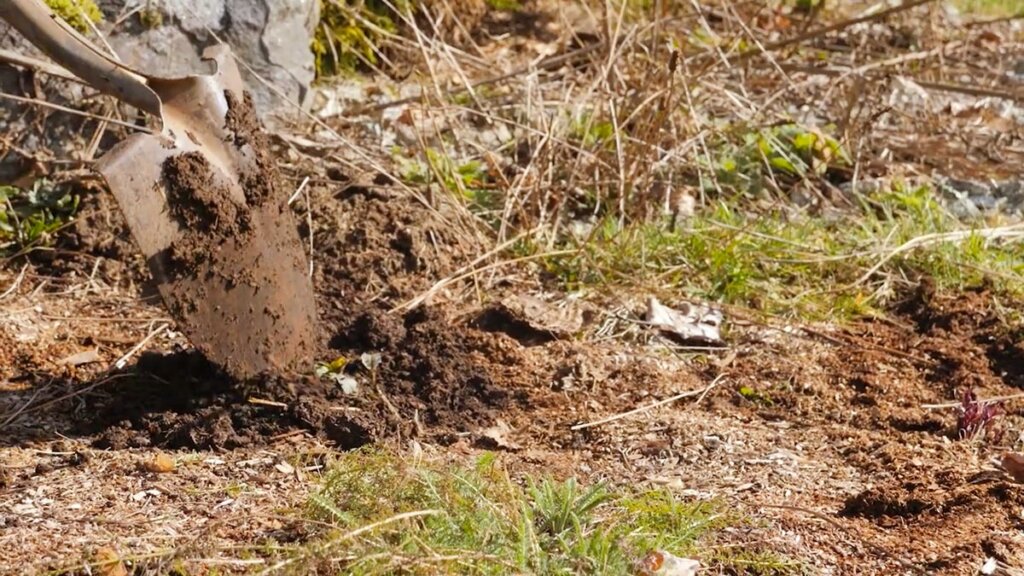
271 36
969 200
167 38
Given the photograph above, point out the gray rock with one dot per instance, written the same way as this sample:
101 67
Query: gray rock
969 200
271 36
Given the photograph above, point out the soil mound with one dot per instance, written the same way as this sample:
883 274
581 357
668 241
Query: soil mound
431 383
435 380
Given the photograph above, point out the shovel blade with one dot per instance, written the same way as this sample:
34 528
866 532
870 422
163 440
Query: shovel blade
229 264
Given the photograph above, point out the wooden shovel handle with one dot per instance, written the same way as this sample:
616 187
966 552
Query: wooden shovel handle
34 20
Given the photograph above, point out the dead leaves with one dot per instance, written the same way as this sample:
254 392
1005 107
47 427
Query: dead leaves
498 437
692 323
662 563
1013 463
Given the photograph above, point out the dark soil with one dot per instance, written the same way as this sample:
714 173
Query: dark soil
194 198
431 384
98 240
851 398
258 178
436 381
867 397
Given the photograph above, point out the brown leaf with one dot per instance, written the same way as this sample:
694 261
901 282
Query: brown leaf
693 323
662 563
108 563
1013 463
160 464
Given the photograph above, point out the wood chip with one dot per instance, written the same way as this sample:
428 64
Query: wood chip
84 357
561 321
498 436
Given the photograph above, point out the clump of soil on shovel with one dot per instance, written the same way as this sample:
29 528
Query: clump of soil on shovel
236 276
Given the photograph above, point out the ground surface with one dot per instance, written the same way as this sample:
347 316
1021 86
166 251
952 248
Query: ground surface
819 431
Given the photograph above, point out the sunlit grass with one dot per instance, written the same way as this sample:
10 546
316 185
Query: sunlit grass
382 513
792 264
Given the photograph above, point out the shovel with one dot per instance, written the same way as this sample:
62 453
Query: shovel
200 200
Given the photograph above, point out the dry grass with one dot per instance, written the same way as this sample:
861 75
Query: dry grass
623 124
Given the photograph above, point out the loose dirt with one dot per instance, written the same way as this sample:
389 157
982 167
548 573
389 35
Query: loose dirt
434 383
824 421
821 435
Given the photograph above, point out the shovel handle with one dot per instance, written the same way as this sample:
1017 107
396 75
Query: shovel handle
67 47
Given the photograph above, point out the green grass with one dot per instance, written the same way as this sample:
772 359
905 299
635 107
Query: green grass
348 33
992 7
505 5
790 265
382 513
468 181
749 161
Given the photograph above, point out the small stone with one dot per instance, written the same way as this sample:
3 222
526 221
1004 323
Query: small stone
108 563
78 458
160 464
1013 463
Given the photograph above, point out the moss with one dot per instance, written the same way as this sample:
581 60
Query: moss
77 13
151 18
349 33
505 5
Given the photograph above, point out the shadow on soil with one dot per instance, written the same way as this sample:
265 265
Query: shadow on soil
429 384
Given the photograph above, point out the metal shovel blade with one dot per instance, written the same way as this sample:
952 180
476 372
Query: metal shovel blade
222 246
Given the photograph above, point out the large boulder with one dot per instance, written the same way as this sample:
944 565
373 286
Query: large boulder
270 36
162 38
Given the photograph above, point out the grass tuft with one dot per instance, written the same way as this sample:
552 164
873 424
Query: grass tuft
477 520
992 7
788 263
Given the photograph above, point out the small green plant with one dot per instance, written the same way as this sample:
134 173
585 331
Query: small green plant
468 180
457 513
151 18
29 217
77 13
991 7
789 151
591 131
754 395
335 371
